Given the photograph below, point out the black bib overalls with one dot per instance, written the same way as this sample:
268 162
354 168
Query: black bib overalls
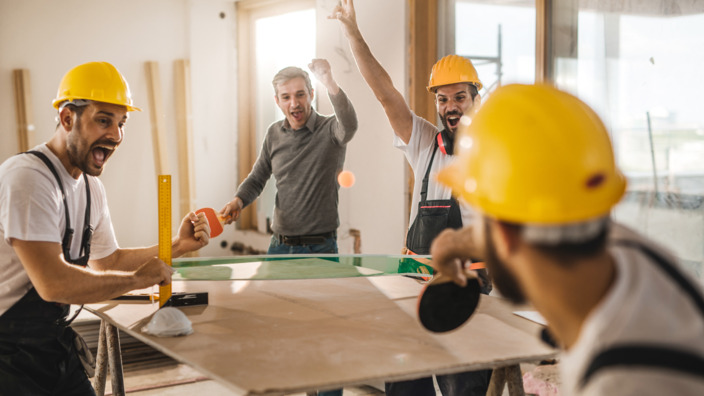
433 216
37 350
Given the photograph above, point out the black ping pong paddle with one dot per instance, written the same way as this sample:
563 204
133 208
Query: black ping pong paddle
444 305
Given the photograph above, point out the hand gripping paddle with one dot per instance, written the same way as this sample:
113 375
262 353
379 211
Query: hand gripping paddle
214 221
444 305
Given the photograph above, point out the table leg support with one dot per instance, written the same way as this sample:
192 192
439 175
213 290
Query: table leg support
115 359
101 362
502 376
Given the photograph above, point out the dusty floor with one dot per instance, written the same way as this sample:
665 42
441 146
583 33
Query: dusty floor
181 380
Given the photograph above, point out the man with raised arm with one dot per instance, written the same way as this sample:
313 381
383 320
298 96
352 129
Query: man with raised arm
455 84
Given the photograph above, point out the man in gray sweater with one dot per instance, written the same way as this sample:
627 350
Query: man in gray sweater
305 152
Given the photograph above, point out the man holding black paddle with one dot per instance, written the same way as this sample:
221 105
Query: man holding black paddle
544 179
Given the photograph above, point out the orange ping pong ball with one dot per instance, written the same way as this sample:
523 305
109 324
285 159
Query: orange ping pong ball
346 179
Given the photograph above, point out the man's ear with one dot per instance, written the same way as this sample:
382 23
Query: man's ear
476 102
276 98
507 239
66 118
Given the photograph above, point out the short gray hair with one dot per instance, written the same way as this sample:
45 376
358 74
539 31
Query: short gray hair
289 73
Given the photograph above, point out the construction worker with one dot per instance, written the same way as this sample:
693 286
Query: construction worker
455 84
46 194
544 179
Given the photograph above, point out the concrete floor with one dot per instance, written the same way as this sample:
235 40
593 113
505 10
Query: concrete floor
181 380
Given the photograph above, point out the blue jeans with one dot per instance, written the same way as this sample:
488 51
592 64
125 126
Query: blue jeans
471 383
328 246
337 392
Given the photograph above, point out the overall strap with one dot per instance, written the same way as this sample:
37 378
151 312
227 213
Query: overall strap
84 252
669 269
68 231
645 355
648 355
424 187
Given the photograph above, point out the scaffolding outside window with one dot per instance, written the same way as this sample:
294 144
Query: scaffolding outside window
499 37
635 63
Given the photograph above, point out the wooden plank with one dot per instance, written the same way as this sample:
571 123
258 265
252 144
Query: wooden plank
423 51
184 132
543 69
157 117
23 106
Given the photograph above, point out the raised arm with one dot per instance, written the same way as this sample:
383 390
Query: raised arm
346 118
397 111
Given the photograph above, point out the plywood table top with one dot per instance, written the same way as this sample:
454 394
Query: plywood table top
287 336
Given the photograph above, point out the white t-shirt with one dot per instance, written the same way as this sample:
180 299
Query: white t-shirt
644 306
418 152
32 209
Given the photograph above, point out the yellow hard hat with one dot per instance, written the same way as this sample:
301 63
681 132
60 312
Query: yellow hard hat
453 69
534 154
98 81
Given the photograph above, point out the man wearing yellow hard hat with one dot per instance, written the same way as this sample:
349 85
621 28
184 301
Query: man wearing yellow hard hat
57 244
538 165
455 84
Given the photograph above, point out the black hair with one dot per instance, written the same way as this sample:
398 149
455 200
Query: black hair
567 252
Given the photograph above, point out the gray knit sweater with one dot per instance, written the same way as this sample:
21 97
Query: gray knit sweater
305 164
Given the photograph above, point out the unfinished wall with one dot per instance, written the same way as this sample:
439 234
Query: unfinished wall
49 37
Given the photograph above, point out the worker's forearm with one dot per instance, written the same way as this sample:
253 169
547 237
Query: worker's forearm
125 259
86 285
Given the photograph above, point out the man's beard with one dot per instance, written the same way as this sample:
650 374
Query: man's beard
75 145
504 281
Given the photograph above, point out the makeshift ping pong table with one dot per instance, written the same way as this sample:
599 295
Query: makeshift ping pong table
275 325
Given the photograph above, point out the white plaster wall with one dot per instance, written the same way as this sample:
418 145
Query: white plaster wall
375 204
127 33
49 37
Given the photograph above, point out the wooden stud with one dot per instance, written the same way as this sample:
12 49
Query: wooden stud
543 71
23 105
423 50
156 114
184 131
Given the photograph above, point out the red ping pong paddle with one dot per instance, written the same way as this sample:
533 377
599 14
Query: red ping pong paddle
444 305
214 221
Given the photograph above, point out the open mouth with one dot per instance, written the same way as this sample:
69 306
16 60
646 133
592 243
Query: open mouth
453 120
101 154
297 115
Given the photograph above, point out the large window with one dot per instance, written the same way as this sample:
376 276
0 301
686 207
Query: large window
638 64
